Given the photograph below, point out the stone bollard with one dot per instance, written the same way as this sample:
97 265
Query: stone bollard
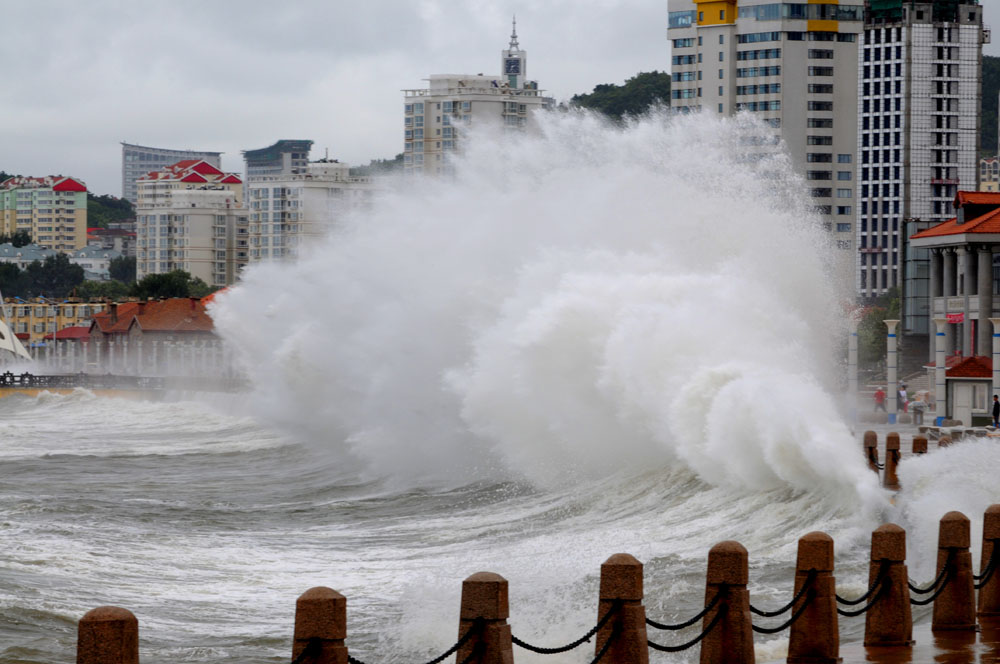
871 450
321 619
107 635
920 444
731 641
989 592
484 602
621 581
815 638
890 480
955 607
944 441
889 622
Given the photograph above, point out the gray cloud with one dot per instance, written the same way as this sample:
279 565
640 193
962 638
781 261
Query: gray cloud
233 75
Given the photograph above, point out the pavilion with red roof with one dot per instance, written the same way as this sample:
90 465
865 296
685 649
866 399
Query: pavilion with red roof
961 275
961 300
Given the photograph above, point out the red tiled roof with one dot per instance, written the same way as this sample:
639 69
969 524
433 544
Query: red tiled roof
104 323
57 182
69 184
977 198
972 367
205 168
75 332
192 170
208 299
178 314
987 223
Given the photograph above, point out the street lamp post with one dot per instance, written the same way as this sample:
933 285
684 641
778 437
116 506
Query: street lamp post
890 325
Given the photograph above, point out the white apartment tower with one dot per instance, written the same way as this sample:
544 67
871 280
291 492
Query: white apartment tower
433 118
290 210
793 64
189 217
918 103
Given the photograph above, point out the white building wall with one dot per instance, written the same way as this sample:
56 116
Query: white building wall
797 74
289 212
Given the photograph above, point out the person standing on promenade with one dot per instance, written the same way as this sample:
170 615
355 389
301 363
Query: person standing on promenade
996 412
879 400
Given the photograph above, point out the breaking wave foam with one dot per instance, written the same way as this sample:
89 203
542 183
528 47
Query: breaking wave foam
580 301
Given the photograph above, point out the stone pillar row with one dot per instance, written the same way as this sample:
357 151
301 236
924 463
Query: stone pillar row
110 635
967 272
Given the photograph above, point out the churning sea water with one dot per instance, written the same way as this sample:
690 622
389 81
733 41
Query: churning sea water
593 339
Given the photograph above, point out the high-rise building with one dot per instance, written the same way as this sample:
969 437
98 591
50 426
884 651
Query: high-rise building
285 157
189 217
53 210
434 117
989 174
137 160
794 65
918 104
289 210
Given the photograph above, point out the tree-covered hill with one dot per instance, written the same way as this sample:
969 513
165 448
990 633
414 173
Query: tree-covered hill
105 209
633 98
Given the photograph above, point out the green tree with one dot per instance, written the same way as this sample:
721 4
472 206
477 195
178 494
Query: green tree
55 277
635 97
12 280
122 269
20 238
871 329
102 290
177 283
103 210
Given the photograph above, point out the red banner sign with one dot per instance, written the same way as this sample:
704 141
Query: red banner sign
955 318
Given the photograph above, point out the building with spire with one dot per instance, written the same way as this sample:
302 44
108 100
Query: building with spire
434 118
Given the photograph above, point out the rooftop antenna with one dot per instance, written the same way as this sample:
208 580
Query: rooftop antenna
514 46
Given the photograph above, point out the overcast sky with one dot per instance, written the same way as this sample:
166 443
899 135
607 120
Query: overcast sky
79 78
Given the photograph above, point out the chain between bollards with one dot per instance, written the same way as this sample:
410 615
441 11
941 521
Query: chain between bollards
940 577
795 616
940 589
879 580
687 623
583 639
616 629
695 641
476 626
877 588
810 578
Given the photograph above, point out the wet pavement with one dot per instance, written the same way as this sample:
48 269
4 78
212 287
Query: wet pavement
935 648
